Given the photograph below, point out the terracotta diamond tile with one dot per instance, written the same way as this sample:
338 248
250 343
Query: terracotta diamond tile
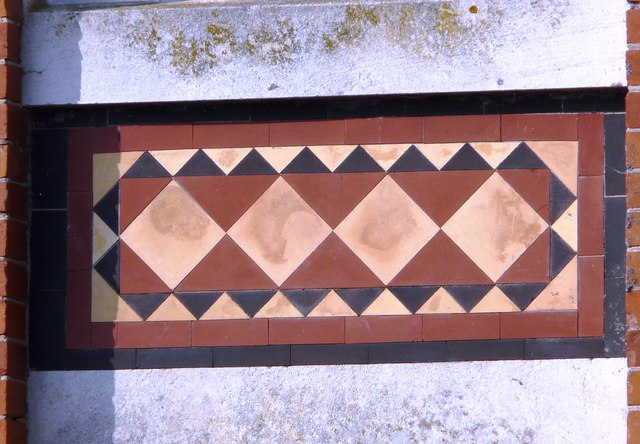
172 234
279 231
495 226
386 229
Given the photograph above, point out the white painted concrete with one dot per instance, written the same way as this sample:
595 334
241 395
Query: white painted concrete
193 51
569 401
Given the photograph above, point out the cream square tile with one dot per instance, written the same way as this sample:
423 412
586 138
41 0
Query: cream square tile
279 157
386 154
561 293
386 304
332 305
562 160
171 310
173 160
495 302
278 307
224 308
332 155
494 152
440 302
227 158
439 153
567 226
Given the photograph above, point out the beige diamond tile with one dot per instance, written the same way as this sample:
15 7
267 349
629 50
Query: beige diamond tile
386 229
103 238
386 154
331 305
561 293
441 302
108 168
278 307
494 152
386 304
279 231
332 155
439 153
495 302
279 157
567 226
562 160
172 234
106 305
173 160
227 158
171 310
494 226
224 308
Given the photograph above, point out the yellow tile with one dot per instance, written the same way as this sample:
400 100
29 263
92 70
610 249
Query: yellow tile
278 307
332 155
386 304
332 305
386 229
440 302
562 160
171 310
567 226
172 234
494 152
279 157
224 308
108 168
103 238
495 226
439 153
386 154
173 160
279 231
227 158
495 302
106 305
561 293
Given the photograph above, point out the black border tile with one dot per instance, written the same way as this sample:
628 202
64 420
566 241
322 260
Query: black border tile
174 357
615 322
615 247
99 359
49 169
491 350
564 348
48 250
614 154
329 354
408 352
46 330
252 356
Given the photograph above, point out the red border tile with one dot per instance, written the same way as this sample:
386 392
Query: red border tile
362 131
590 215
79 240
539 325
231 332
155 137
230 135
384 329
306 331
401 130
154 334
590 145
78 309
325 132
591 296
461 129
444 327
104 334
79 160
104 139
540 127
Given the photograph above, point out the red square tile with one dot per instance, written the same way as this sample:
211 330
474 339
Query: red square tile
539 127
153 334
231 332
326 132
306 331
231 135
361 131
384 329
401 130
590 216
591 145
539 325
104 334
78 309
444 327
590 296
155 137
79 232
461 129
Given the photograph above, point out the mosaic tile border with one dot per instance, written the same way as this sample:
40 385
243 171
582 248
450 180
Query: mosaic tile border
182 334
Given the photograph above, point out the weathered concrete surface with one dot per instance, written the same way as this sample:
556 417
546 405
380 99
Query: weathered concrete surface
193 51
571 401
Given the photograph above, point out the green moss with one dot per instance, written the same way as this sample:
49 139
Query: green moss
274 47
357 19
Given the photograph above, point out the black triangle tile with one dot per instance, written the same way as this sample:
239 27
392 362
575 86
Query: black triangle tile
253 164
358 161
198 302
560 255
305 300
466 159
359 298
109 267
522 294
145 304
561 198
200 165
251 301
413 297
468 296
306 162
146 166
412 160
108 208
522 158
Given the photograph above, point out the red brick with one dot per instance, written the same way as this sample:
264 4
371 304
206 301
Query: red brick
633 268
13 239
633 26
326 132
12 320
104 334
401 130
633 387
442 327
10 82
539 325
12 432
591 215
13 360
633 427
13 398
231 332
361 131
11 9
633 150
306 331
633 311
590 296
79 233
231 135
13 280
14 200
633 190
461 129
590 145
153 334
10 42
13 163
633 229
539 127
384 329
78 309
155 137
633 110
633 67
633 348
12 121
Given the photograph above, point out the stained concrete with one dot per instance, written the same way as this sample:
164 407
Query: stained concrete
560 401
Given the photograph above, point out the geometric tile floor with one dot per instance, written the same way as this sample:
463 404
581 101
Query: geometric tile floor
335 231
